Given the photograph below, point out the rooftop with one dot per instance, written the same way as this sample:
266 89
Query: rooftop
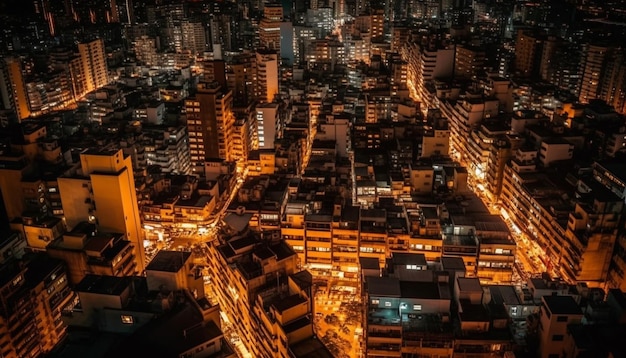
501 294
469 284
383 286
401 258
103 285
452 263
310 348
423 290
172 334
168 261
565 305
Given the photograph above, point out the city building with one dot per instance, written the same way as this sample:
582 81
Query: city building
92 71
13 90
267 77
34 291
210 122
101 190
268 124
267 299
557 312
269 27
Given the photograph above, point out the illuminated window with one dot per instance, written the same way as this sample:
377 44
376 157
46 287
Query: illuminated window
127 319
375 302
388 304
417 307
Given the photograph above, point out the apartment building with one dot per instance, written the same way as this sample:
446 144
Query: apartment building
592 233
464 116
557 312
425 231
484 324
373 234
425 64
101 190
210 122
263 294
267 76
93 68
87 251
469 61
489 137
268 124
269 27
33 293
407 311
345 242
578 236
168 148
164 313
13 91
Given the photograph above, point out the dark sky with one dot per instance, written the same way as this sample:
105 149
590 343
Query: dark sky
19 8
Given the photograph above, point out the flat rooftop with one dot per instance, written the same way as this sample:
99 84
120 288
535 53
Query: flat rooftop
103 285
168 261
467 284
383 286
310 348
565 305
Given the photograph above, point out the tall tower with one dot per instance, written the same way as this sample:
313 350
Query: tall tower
269 28
194 37
13 91
94 65
102 190
210 123
267 75
528 51
267 124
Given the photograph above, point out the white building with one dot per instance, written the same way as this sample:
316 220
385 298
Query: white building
267 124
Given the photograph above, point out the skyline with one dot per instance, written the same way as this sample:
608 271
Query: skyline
340 178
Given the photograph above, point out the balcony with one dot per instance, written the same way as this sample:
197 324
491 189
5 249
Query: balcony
384 350
384 334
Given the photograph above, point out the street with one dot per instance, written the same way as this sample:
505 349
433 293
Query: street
338 319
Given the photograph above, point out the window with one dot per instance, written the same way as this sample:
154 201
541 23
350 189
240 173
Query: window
417 307
557 337
127 319
413 267
388 304
561 319
375 301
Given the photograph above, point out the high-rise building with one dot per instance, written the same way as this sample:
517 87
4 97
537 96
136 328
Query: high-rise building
210 124
13 92
214 71
102 190
269 27
263 293
528 53
33 293
267 75
194 37
92 72
603 71
267 124
469 61
145 50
